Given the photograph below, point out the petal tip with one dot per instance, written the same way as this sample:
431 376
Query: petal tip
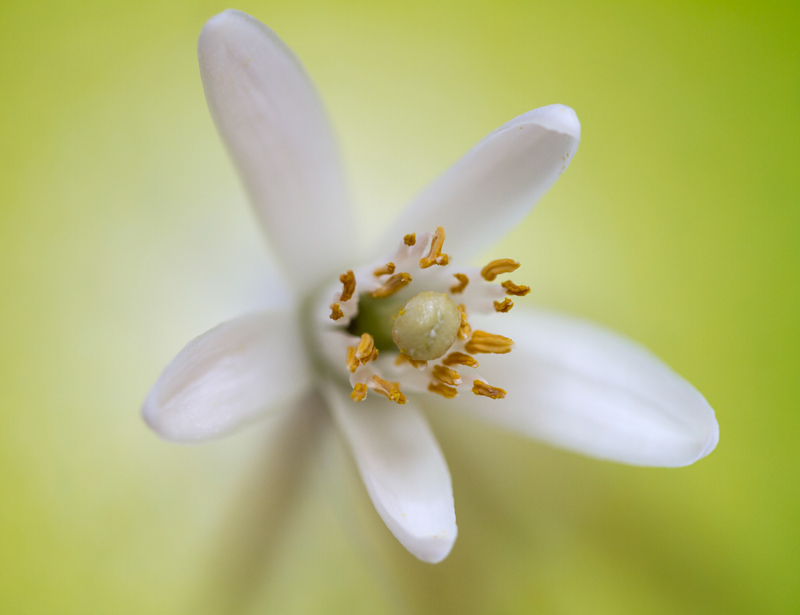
558 118
433 548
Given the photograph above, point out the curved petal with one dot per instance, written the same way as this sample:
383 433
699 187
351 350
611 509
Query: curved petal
238 371
487 192
273 123
580 387
403 470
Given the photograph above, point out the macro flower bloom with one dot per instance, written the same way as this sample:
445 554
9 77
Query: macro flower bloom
410 327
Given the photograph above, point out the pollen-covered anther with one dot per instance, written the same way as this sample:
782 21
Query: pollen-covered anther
392 285
496 267
442 389
366 350
446 375
484 342
465 330
515 289
404 358
460 358
352 361
486 390
390 390
435 256
463 280
348 281
386 269
336 311
503 306
410 239
359 392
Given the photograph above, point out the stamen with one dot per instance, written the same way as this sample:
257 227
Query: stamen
410 239
336 311
388 389
495 268
505 306
443 390
459 358
514 289
481 341
359 392
404 358
387 268
435 256
349 281
366 350
465 330
352 362
463 280
392 285
481 388
446 375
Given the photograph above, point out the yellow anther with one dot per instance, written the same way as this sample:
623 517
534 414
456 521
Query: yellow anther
336 311
463 280
481 388
352 362
459 358
359 392
465 330
410 239
495 268
387 268
392 285
514 289
404 358
443 390
435 256
446 375
366 350
390 390
503 306
348 280
481 341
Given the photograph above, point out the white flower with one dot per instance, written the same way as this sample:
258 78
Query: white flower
568 382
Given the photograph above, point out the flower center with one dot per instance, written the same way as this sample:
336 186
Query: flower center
403 325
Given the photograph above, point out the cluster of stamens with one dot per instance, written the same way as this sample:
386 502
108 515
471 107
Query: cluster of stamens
432 335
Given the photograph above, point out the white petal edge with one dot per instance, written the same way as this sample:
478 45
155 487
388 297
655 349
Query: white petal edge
275 127
485 194
239 371
580 387
403 470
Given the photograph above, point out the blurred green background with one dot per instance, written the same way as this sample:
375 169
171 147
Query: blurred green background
124 233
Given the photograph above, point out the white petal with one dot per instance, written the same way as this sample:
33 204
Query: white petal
486 193
238 371
275 127
403 470
580 387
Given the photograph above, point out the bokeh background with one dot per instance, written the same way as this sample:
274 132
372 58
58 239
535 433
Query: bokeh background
124 233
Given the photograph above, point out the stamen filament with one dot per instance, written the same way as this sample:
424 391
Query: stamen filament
515 289
392 285
463 280
435 256
485 390
484 342
496 267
